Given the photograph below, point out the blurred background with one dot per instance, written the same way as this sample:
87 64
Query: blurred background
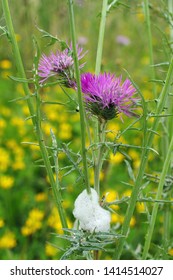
28 215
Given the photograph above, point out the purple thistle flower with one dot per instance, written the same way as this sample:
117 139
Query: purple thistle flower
61 64
105 95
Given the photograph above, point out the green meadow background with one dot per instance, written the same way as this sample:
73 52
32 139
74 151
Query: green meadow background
29 220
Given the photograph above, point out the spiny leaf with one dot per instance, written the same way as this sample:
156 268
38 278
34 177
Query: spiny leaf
157 81
161 64
150 199
20 80
160 116
53 39
37 52
130 170
112 5
53 102
5 32
20 98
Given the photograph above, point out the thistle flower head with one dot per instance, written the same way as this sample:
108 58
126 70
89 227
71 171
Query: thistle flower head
60 64
105 95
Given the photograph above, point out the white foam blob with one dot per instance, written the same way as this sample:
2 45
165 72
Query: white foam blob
90 214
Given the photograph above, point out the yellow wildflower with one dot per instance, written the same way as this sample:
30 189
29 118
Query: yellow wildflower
112 130
17 121
5 64
66 204
117 158
116 218
19 89
6 112
53 116
4 160
33 147
65 131
25 110
33 223
26 231
18 165
147 94
47 127
140 207
1 223
5 74
8 241
50 250
6 182
132 221
19 152
2 125
112 196
11 144
135 157
170 251
127 192
54 220
41 197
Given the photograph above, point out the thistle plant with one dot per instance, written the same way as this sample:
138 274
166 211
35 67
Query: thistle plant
105 97
100 97
60 64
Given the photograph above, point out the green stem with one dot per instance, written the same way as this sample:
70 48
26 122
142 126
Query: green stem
150 44
99 159
156 205
167 135
170 9
144 159
101 37
36 122
54 183
166 228
80 98
17 56
96 126
170 98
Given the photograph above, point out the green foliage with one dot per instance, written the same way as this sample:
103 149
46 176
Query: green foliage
27 210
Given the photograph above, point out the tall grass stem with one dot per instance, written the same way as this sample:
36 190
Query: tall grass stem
150 43
101 37
17 56
167 125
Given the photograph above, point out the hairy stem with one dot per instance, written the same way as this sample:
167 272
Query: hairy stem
80 98
99 159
